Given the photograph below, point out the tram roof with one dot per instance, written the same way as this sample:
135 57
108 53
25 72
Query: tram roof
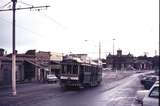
81 61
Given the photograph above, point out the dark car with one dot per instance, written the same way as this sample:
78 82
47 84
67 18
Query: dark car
148 81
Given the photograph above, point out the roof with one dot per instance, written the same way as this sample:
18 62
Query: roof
35 64
142 61
4 58
78 60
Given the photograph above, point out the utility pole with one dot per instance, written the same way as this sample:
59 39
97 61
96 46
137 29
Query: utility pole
13 52
14 92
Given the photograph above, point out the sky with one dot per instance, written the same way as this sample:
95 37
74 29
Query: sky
77 26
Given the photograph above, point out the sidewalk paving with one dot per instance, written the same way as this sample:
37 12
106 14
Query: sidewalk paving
32 87
24 88
31 93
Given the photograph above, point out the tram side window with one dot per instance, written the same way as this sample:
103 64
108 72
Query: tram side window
75 69
88 69
64 69
69 69
82 68
97 69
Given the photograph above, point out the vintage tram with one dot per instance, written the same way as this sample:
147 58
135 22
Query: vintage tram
79 73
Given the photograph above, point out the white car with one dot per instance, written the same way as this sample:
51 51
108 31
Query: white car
107 69
51 78
149 97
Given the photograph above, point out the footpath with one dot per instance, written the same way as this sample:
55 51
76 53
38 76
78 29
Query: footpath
31 87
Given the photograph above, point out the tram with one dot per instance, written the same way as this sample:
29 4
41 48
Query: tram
76 72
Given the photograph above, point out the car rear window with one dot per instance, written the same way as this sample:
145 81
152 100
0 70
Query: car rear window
154 92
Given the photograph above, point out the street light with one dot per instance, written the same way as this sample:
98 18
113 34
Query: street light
99 51
113 54
113 44
114 58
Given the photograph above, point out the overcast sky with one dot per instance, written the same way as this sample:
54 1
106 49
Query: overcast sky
67 24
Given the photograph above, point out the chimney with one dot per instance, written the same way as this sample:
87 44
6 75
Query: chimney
1 52
119 52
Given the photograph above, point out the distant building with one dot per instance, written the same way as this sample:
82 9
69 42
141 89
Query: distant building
56 56
31 66
119 61
156 64
55 63
81 56
43 60
128 62
142 65
55 67
24 69
6 70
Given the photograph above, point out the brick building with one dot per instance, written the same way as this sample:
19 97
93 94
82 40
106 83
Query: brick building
42 60
30 66
129 62
24 69
55 63
119 61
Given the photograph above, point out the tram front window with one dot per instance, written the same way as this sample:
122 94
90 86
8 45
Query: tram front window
82 68
69 69
75 69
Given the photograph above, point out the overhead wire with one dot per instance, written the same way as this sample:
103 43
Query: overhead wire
35 33
48 17
45 15
52 19
5 5
25 3
28 30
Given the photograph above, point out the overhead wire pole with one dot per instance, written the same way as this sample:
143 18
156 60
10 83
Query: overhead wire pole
13 47
30 7
14 92
99 53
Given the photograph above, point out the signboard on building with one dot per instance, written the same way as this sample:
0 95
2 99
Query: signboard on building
56 56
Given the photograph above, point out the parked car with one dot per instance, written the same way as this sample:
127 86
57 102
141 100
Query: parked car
107 69
149 97
139 71
148 81
51 78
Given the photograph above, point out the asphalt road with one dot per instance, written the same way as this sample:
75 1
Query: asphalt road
115 90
